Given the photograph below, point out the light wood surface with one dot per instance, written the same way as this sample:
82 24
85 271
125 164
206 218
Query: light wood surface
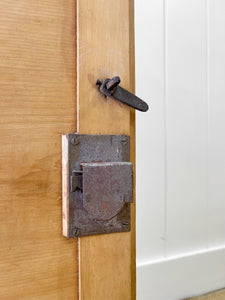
132 149
106 262
37 105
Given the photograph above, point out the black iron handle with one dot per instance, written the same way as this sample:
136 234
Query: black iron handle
111 88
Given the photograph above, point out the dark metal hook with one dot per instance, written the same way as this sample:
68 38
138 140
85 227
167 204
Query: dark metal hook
111 88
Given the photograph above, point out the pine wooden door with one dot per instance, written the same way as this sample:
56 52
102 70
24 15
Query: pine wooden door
51 53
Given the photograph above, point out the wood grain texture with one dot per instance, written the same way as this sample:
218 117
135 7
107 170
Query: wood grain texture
105 261
37 104
103 51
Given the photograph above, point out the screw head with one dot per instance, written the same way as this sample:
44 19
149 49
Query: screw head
124 140
74 140
125 224
76 232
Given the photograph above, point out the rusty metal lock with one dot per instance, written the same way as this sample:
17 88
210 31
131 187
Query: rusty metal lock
97 184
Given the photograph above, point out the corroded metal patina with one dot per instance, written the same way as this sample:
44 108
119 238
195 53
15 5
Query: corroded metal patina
100 181
111 88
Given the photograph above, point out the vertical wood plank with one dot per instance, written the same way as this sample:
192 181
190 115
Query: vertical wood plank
132 147
103 51
186 116
216 172
37 105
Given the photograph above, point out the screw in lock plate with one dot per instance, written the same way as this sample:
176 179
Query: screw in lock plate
74 140
124 140
75 232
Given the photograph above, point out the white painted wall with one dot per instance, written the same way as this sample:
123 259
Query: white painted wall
180 72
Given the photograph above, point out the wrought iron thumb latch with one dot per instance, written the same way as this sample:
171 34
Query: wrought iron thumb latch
111 88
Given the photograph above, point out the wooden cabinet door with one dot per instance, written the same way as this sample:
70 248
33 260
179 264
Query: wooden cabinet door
51 53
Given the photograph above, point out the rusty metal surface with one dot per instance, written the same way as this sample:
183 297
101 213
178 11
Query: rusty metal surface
111 88
100 184
106 187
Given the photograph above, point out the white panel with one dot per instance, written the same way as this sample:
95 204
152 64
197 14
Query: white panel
180 147
182 277
150 129
186 116
216 122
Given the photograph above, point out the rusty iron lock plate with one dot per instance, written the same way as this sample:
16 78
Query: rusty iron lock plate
97 183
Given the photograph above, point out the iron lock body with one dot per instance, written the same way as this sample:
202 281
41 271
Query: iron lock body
97 184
